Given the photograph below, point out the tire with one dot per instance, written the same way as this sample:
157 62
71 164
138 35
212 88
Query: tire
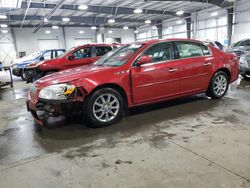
216 91
100 101
23 75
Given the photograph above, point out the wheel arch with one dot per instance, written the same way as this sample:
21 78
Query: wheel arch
226 70
113 86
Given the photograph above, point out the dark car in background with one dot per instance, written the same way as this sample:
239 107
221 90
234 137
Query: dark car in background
240 47
18 65
74 57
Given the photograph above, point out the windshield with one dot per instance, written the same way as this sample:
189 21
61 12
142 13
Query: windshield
118 56
241 43
34 55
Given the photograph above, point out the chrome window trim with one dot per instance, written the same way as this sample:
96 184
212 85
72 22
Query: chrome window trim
172 52
210 51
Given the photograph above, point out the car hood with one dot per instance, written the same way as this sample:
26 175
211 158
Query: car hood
71 74
22 61
240 48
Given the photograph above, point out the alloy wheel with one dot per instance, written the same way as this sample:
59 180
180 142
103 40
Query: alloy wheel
106 107
220 85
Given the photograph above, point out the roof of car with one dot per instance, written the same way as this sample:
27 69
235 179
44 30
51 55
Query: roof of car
97 44
53 49
169 39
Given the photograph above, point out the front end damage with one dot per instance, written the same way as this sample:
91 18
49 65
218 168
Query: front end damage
42 109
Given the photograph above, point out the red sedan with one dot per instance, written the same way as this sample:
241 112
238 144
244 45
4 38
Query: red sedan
135 74
74 57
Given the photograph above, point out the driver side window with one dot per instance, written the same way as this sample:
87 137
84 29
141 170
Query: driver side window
159 52
82 53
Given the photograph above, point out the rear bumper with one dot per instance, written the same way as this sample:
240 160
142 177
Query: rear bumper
16 71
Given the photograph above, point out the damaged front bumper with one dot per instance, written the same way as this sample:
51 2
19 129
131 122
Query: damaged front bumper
41 109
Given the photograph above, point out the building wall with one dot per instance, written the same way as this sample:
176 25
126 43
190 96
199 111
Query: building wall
7 48
242 21
173 30
127 36
29 42
211 28
146 33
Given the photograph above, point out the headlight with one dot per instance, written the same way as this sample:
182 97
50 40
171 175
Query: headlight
243 60
246 51
57 91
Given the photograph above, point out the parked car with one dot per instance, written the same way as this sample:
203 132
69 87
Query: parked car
133 75
240 47
245 65
74 57
18 65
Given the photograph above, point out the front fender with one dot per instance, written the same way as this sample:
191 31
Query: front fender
89 84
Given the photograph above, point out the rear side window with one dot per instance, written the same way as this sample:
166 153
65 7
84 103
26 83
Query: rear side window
160 52
191 49
102 50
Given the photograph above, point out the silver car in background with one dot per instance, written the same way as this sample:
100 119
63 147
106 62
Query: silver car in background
240 47
245 65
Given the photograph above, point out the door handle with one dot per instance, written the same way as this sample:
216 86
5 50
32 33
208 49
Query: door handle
172 70
207 64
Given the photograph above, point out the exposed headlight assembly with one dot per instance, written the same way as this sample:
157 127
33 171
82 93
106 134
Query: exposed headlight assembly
243 60
57 92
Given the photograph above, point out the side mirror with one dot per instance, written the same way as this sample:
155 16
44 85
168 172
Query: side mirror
144 60
41 58
71 57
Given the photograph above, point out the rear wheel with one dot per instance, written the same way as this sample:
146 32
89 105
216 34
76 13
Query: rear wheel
104 107
218 85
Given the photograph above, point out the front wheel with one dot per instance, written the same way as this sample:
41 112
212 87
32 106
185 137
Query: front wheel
218 85
23 76
104 107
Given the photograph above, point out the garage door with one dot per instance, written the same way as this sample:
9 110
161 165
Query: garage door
44 44
82 41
